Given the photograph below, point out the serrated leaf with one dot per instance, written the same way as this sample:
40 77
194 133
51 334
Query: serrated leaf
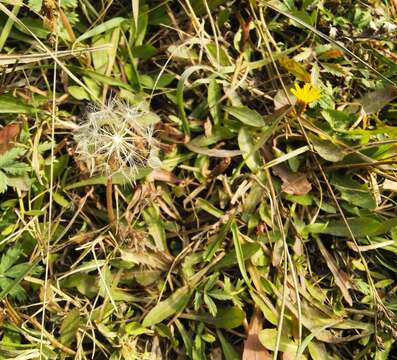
9 156
16 168
3 182
10 258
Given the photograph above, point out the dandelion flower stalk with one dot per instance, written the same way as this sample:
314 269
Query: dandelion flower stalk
109 200
114 140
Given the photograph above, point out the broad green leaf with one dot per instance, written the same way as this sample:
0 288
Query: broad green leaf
268 338
353 192
229 318
246 115
326 149
209 208
78 92
60 200
84 283
169 307
363 226
12 105
70 326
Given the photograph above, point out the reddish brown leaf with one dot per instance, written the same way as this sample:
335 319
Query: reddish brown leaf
8 135
164 175
293 183
253 349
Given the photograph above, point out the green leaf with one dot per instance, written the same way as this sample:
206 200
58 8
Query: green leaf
248 147
229 317
16 168
363 226
84 283
156 227
237 241
70 326
101 28
228 350
214 95
326 149
13 105
166 308
9 157
230 259
354 192
246 115
35 5
78 92
60 200
3 182
10 258
338 120
117 179
268 338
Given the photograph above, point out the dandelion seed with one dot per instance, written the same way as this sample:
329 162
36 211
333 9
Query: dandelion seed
114 139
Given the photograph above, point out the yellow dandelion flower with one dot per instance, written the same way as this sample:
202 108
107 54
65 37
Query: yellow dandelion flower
307 94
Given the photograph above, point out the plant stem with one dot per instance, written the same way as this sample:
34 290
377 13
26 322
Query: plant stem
109 201
8 26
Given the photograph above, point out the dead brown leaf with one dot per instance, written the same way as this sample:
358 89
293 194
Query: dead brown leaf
293 183
253 349
164 175
8 135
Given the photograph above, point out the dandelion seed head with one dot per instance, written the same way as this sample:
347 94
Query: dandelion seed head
114 139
